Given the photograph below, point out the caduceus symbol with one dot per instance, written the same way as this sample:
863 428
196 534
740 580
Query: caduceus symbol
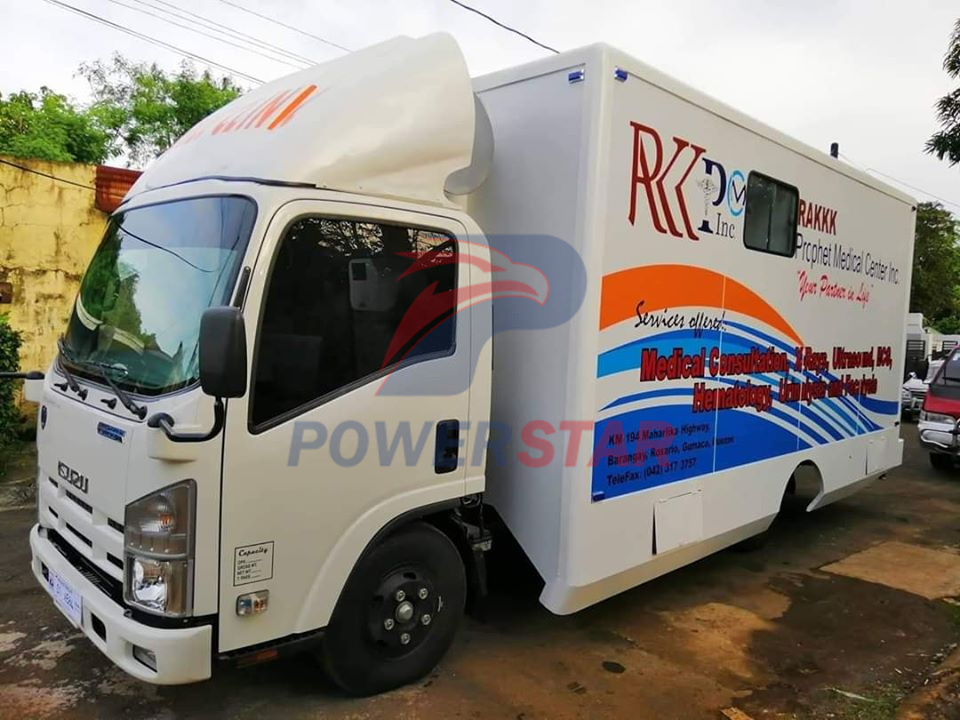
708 187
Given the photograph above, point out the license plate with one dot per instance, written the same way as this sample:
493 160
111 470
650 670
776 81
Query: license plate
66 598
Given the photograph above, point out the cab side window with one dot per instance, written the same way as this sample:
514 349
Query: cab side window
770 219
347 301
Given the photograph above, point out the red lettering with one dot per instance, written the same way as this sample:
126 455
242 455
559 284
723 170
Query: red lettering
576 428
648 364
681 145
652 180
536 443
647 176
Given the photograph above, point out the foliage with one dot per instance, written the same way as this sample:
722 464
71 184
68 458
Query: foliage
47 126
9 362
948 325
138 111
146 109
936 267
946 143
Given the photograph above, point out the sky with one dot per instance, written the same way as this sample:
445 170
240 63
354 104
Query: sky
864 73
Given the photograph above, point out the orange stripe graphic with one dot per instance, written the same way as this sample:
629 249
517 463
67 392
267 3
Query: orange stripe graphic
670 286
290 109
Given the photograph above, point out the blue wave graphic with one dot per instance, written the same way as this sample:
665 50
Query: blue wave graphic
627 357
688 392
630 466
882 407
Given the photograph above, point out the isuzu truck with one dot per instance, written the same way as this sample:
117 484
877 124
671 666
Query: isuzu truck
364 315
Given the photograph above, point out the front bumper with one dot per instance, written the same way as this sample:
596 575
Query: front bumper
183 655
940 437
911 404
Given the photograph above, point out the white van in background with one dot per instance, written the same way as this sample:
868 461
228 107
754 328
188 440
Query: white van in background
914 390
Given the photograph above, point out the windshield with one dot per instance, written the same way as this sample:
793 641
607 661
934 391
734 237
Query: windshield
949 373
932 370
157 269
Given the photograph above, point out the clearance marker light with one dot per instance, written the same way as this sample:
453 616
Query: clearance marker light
253 603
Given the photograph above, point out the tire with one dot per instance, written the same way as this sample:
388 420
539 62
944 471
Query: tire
939 461
418 567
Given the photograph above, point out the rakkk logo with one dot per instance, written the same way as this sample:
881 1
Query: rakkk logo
664 181
724 198
654 174
817 217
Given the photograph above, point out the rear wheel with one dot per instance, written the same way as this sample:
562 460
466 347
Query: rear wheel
398 613
940 461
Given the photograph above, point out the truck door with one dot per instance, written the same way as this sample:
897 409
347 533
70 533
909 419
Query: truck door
356 406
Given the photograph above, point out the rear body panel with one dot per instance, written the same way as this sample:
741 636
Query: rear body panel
647 183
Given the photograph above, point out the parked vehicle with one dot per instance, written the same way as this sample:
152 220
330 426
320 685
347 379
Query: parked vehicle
361 313
939 417
914 390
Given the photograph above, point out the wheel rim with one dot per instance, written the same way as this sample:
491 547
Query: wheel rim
403 611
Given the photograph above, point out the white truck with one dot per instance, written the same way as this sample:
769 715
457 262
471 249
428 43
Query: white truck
365 313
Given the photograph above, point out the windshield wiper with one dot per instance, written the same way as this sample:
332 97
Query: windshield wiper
128 402
71 380
103 368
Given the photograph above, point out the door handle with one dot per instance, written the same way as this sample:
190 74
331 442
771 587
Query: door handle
446 457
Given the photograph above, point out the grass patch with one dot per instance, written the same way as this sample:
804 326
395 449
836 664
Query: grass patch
17 461
952 606
880 703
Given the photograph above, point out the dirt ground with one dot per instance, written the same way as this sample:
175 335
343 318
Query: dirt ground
845 613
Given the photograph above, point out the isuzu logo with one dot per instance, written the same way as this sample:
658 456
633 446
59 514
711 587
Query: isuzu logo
68 474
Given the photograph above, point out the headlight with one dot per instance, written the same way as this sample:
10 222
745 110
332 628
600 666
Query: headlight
158 550
160 586
937 418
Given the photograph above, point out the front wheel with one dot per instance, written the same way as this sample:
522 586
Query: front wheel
939 461
398 614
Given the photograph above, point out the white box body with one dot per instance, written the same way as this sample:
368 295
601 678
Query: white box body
572 134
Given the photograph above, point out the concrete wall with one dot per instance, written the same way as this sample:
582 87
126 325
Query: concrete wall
48 232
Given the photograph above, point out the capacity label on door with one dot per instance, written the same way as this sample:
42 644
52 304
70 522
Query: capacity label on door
252 563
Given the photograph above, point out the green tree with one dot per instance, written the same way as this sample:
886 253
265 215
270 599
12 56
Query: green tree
936 264
45 125
9 412
146 109
946 143
949 325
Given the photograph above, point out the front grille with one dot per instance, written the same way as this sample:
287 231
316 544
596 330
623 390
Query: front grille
107 585
80 536
78 501
79 524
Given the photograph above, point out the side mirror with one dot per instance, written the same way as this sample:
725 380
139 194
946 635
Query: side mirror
33 387
223 352
912 376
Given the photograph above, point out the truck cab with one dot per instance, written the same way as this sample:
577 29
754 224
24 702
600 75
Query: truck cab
940 414
282 280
